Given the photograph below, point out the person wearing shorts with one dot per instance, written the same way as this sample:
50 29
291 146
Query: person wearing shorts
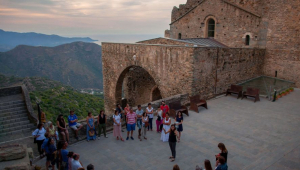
72 119
131 121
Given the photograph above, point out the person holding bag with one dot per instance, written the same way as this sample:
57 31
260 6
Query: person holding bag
39 137
145 125
90 130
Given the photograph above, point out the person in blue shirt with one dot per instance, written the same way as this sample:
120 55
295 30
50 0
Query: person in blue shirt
64 156
46 148
72 119
51 153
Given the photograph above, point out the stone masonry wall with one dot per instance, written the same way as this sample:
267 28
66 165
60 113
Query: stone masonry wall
283 39
232 24
165 41
215 69
169 66
176 69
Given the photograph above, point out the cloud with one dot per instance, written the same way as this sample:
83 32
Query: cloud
77 17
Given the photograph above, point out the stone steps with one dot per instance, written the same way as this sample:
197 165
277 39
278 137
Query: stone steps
20 116
7 130
9 124
9 110
10 106
11 103
15 120
14 113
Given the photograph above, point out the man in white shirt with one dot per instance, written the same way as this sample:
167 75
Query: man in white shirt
75 162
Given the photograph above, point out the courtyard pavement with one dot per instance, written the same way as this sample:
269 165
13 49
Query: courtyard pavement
261 135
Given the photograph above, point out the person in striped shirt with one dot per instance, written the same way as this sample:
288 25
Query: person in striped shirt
131 121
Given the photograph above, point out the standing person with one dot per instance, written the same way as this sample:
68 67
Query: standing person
139 113
62 127
166 126
131 121
46 148
164 108
126 110
120 111
149 111
224 151
39 135
90 127
145 121
158 119
51 130
179 120
117 126
51 153
64 156
43 118
172 141
76 164
101 124
72 119
70 159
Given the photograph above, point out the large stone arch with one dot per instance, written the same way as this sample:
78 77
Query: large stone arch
135 84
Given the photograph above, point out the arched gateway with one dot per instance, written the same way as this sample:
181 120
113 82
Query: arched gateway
161 68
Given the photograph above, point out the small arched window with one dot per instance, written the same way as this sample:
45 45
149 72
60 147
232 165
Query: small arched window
179 36
211 28
247 40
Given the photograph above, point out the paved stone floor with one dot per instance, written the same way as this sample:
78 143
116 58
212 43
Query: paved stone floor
261 135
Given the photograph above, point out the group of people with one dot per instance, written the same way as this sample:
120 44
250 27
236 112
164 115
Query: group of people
48 139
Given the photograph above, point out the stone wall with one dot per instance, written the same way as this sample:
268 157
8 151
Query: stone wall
170 67
10 91
283 40
233 23
217 68
175 70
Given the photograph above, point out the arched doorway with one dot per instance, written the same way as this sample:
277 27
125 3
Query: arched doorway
155 94
135 86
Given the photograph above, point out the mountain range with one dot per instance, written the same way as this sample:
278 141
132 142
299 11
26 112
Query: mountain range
10 40
76 64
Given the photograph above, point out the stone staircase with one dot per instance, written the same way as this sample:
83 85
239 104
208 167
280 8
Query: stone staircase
14 121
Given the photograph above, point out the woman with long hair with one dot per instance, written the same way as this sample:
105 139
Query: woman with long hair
117 125
145 124
207 165
179 120
166 126
62 127
172 140
224 151
90 127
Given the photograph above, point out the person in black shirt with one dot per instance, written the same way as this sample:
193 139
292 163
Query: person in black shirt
172 141
101 124
223 153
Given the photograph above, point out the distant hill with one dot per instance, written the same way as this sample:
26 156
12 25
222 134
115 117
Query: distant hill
76 64
10 40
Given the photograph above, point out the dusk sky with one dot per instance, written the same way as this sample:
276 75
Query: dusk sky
87 17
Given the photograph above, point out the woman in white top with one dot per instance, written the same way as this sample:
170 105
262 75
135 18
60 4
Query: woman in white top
145 124
39 135
117 125
149 111
158 119
166 126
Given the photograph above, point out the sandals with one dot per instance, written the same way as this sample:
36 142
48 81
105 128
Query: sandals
145 138
172 160
171 157
122 139
118 138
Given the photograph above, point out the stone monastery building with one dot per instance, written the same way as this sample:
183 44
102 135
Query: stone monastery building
210 45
